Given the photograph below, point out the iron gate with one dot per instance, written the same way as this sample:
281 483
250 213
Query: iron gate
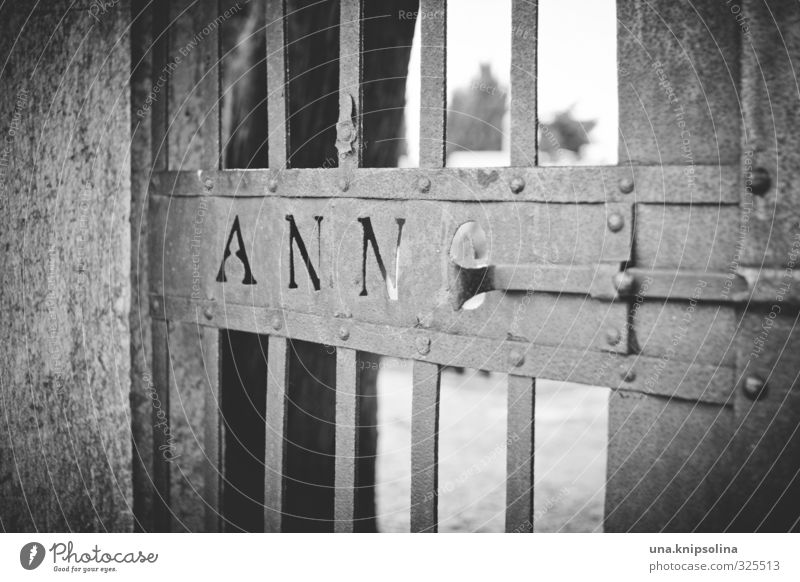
615 276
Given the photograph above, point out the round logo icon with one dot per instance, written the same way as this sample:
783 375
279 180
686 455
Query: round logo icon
31 555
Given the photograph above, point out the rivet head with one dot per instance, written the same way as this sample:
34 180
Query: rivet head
156 304
760 181
343 184
209 313
424 184
277 323
423 345
272 185
613 336
626 185
624 282
208 183
344 334
516 358
517 185
628 375
755 388
616 222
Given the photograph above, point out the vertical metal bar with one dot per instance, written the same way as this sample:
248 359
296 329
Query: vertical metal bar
209 85
347 390
275 452
158 127
161 503
519 454
276 83
524 115
348 129
425 447
213 430
433 99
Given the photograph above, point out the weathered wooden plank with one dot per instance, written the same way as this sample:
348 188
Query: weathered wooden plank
276 83
555 185
213 430
347 378
348 129
519 454
691 380
433 100
425 447
524 114
158 99
277 388
162 515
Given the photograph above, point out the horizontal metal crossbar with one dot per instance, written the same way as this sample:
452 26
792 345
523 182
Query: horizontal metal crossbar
598 184
631 372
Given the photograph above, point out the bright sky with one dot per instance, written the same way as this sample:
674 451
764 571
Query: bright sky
577 62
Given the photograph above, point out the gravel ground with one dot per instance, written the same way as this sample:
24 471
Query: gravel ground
571 425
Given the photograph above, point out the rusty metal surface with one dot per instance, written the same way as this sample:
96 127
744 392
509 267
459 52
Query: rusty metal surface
714 185
770 61
276 83
337 272
347 378
162 515
277 387
519 454
689 380
425 447
678 84
433 91
663 464
524 124
213 445
348 128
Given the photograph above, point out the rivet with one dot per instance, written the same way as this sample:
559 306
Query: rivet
209 313
343 184
208 183
616 222
626 185
276 322
423 345
755 388
343 333
424 184
624 282
613 336
628 375
515 358
760 181
156 304
272 185
517 185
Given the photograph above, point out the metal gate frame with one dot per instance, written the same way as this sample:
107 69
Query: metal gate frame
674 408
